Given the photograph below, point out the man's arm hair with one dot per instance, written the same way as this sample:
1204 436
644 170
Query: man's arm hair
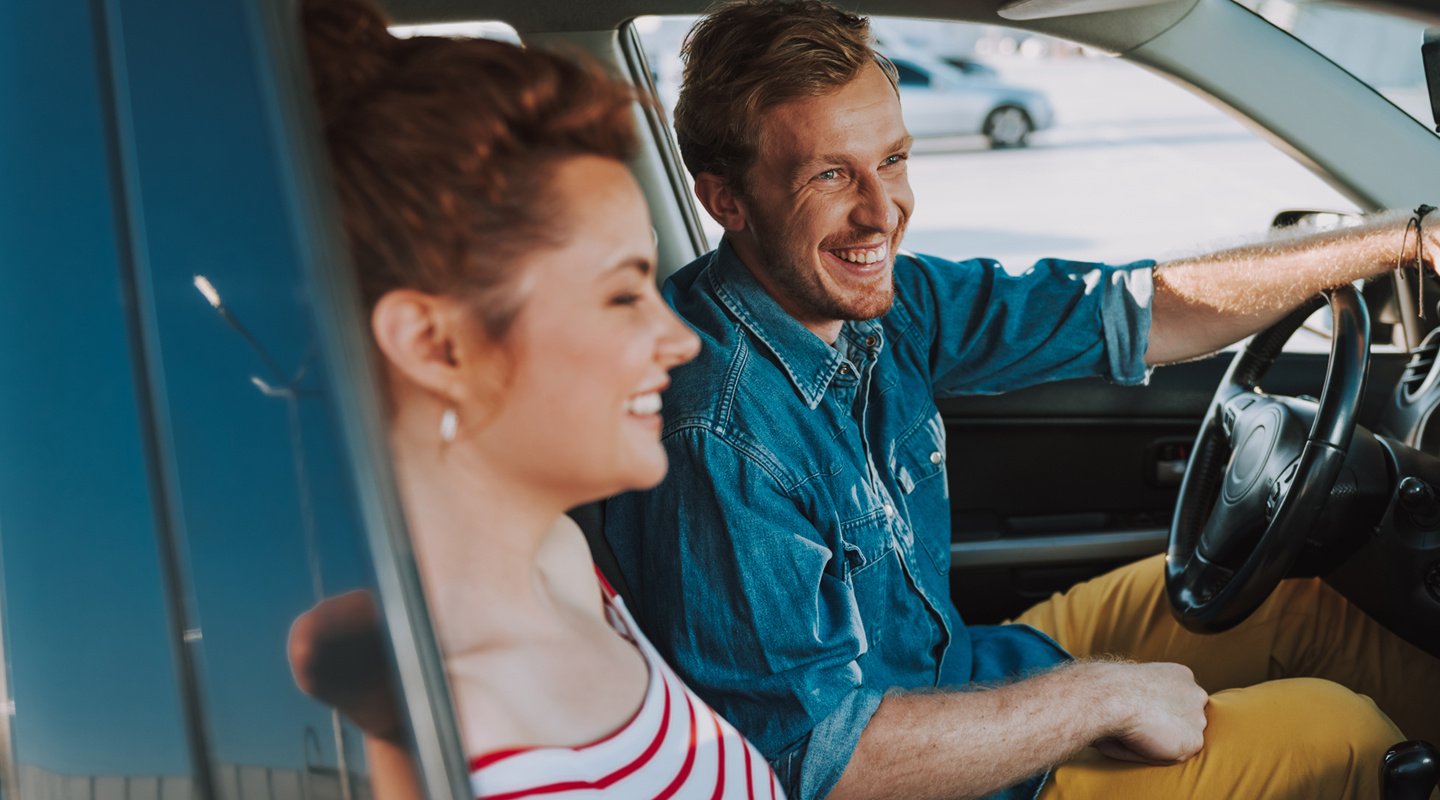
961 744
1205 303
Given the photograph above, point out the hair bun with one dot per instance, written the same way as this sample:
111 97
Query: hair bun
350 49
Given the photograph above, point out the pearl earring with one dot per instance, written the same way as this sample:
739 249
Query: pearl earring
449 425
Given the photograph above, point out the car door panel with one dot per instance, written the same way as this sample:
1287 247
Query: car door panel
1057 483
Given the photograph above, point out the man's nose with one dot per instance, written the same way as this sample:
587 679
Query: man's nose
875 208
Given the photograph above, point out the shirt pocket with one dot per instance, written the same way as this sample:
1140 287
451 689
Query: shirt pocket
919 469
866 540
869 547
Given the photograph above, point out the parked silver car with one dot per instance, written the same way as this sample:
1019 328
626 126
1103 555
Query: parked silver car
940 100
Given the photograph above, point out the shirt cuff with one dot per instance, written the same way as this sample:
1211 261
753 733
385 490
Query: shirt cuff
810 769
1125 306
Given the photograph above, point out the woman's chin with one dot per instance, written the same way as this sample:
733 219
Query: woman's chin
648 470
637 475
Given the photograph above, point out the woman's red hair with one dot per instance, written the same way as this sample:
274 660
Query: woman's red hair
443 150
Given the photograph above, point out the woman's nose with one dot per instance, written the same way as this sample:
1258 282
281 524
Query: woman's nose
678 343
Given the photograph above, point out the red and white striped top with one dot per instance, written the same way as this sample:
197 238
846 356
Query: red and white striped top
674 747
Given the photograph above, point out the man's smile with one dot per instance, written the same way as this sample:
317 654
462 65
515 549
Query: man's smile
863 255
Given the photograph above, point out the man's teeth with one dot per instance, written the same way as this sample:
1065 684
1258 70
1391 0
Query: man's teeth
862 256
644 404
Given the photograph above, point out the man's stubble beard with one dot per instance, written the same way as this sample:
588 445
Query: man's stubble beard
806 292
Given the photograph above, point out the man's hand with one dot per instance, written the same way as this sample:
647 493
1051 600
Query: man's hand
926 745
1161 713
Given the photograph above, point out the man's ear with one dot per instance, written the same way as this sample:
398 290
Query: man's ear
420 335
721 201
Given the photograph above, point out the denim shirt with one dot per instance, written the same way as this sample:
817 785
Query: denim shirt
793 566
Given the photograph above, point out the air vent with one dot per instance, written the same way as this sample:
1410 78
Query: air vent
1417 369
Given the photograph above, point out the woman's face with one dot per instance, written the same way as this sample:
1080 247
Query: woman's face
591 347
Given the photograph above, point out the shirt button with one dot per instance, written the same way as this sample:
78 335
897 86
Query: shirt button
889 510
872 340
936 457
844 369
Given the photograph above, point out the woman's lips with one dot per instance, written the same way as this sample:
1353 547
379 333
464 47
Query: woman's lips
643 405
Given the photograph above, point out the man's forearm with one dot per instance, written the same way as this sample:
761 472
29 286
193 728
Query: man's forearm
1203 304
971 743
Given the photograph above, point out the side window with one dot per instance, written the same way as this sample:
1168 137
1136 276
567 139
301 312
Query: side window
1034 147
89 705
173 489
259 497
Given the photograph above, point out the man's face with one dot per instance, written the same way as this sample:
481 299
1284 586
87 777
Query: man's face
826 201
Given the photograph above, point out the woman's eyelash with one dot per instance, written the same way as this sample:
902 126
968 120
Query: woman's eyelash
626 299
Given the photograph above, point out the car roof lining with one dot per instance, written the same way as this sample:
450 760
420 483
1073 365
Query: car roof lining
1113 31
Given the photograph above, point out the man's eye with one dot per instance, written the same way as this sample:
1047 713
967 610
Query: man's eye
828 175
895 159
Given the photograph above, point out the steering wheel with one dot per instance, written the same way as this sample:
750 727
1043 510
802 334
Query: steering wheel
1261 470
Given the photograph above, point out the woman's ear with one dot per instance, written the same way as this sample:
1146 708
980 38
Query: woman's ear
421 335
721 201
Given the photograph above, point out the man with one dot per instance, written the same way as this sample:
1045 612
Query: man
793 566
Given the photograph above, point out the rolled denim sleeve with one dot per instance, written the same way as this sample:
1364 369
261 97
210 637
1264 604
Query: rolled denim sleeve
813 767
742 594
988 331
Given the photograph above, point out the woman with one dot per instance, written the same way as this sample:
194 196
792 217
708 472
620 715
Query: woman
507 259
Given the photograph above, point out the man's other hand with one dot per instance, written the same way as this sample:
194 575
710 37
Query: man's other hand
1160 712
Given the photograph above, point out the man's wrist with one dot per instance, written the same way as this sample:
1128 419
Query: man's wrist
1427 240
1114 708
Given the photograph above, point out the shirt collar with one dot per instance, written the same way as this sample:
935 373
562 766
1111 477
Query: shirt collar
809 362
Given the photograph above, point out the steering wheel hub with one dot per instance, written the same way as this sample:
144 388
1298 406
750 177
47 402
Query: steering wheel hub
1248 463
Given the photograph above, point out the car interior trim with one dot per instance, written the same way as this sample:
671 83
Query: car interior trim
1066 548
1285 113
667 150
678 237
1015 10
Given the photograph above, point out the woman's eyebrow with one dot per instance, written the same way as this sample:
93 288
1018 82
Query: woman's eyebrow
643 265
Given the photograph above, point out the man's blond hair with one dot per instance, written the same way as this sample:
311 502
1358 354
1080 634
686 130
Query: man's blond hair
746 56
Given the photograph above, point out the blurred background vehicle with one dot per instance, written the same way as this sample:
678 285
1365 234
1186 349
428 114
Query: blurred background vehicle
971 67
939 99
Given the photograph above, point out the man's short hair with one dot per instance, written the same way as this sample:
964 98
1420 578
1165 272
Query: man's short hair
746 56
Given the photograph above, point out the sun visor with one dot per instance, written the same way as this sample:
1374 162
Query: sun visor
1049 9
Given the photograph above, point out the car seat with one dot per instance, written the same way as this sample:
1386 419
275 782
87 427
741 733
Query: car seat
591 519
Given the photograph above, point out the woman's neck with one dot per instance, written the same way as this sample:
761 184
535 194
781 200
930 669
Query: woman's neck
478 535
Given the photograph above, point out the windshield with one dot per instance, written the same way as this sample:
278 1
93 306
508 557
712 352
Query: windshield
1380 49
